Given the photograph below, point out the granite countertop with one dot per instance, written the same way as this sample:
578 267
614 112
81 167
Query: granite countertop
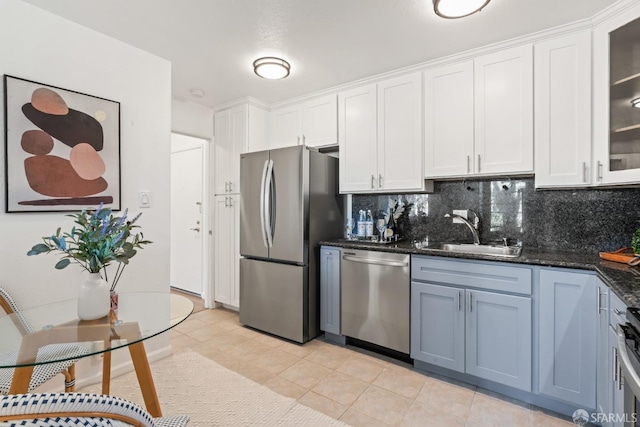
621 278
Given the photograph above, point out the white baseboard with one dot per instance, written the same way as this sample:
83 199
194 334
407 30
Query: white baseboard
84 379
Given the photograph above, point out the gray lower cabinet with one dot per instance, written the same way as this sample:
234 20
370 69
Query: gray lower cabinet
498 338
473 326
568 328
330 289
437 325
615 385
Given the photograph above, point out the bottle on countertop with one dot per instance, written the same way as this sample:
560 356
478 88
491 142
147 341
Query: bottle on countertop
369 224
362 226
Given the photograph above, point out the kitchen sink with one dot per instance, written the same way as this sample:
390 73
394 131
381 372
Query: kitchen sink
497 250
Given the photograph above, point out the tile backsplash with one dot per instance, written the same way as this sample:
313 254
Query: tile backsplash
590 220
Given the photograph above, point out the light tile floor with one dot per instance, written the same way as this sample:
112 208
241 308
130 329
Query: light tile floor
348 384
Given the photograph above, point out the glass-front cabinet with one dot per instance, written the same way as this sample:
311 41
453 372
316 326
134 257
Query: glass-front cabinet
617 99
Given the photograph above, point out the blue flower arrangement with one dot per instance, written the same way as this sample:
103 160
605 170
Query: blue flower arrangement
97 239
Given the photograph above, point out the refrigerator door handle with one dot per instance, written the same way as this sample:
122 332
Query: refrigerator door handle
268 203
262 203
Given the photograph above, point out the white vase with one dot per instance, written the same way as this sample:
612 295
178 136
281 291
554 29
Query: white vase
94 300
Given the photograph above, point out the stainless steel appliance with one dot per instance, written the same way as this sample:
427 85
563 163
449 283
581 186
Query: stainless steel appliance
288 202
629 360
376 298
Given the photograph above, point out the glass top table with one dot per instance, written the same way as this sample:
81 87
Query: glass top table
140 315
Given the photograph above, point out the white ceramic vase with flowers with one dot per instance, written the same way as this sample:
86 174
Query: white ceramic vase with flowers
95 241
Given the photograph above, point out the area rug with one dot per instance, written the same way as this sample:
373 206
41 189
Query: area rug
212 395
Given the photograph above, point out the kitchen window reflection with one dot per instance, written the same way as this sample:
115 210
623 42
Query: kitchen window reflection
506 206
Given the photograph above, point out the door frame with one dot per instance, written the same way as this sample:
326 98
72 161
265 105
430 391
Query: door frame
207 241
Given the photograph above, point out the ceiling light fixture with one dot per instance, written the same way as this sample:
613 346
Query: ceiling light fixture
452 9
271 68
635 102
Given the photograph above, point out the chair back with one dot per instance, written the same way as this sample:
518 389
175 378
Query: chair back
10 306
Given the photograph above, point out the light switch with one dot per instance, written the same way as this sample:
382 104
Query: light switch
144 199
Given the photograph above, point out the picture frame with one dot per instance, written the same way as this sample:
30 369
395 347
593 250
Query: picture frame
62 148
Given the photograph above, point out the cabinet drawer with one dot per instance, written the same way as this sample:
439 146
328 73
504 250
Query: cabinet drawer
617 310
475 274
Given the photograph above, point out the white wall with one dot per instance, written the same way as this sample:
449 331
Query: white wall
42 47
189 118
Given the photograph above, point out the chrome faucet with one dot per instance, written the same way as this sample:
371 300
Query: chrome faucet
473 227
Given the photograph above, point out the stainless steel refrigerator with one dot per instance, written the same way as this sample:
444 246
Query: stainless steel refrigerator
288 202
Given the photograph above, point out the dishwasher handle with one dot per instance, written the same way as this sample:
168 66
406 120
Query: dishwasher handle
375 261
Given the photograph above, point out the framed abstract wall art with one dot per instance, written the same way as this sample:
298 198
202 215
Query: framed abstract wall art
62 148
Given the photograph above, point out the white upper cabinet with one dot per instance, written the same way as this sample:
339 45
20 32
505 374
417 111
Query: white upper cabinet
320 122
400 134
286 127
237 130
504 111
380 134
616 78
358 139
448 94
563 111
313 123
479 115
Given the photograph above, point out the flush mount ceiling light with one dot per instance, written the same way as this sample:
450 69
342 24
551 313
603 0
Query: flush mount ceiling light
271 68
635 102
452 9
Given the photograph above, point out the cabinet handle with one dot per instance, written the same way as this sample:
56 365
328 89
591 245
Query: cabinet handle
615 364
469 301
373 179
468 164
599 177
479 160
230 186
226 186
380 180
618 312
584 172
304 140
459 300
230 202
226 202
599 302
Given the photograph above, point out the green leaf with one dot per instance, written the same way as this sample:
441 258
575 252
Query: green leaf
38 249
62 263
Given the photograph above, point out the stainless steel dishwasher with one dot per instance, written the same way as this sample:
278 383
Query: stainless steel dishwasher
375 298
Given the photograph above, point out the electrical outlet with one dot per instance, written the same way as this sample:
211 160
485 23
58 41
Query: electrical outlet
462 212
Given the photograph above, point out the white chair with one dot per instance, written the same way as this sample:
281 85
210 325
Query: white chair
44 372
78 409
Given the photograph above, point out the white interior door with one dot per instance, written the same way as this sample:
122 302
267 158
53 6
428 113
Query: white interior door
187 229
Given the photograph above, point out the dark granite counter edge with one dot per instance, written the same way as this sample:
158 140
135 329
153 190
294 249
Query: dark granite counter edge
623 280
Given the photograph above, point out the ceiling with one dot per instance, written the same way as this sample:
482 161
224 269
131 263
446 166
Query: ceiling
212 43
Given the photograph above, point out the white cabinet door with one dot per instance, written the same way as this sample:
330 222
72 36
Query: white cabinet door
222 152
226 250
448 104
258 136
358 139
286 128
229 141
320 121
504 111
616 79
563 111
400 133
239 144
